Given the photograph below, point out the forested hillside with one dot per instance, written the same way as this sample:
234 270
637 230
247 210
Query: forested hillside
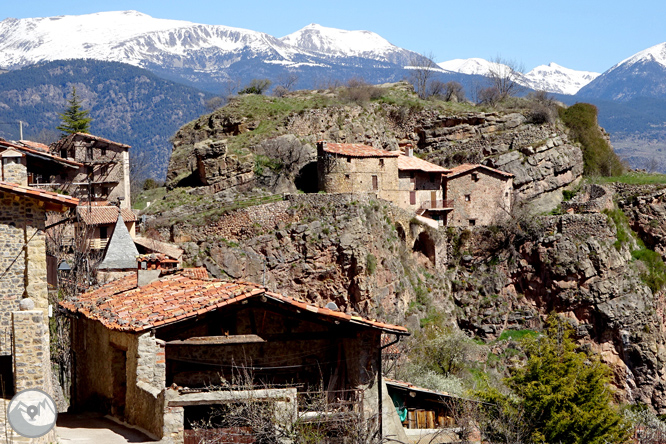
127 104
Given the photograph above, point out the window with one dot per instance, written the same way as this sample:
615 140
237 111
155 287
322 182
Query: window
104 170
103 233
346 176
472 222
89 152
103 151
375 183
468 197
475 177
348 159
63 153
381 163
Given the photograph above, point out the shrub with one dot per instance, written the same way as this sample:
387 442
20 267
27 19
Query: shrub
599 159
359 91
256 86
371 264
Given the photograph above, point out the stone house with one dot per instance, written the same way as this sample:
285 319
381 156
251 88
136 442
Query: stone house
43 169
164 348
357 168
421 190
97 222
480 195
24 334
105 171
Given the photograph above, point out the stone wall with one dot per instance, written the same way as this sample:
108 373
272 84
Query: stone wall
97 377
481 201
15 173
32 364
23 259
593 199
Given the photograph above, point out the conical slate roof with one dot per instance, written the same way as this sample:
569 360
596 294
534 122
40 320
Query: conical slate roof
121 252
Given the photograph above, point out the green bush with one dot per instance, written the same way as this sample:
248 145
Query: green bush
599 159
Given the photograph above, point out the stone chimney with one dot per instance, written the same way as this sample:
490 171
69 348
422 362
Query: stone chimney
407 148
152 266
14 167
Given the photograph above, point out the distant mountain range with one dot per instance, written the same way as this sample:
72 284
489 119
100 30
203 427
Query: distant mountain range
206 56
218 59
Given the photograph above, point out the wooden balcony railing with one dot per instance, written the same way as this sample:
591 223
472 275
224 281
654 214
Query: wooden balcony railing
98 244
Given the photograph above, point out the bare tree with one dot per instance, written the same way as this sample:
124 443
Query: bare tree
453 92
287 80
504 76
422 68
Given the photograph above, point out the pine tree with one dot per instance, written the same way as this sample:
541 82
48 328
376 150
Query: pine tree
74 119
561 394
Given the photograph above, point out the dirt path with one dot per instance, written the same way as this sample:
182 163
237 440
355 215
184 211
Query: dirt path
88 428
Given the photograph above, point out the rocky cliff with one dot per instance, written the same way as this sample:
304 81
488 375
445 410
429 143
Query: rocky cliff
377 260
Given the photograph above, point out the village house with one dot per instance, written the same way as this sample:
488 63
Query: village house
164 348
481 195
105 171
420 183
97 222
357 168
24 307
466 195
43 169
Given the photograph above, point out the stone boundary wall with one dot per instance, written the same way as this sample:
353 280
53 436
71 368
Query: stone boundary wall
594 199
32 364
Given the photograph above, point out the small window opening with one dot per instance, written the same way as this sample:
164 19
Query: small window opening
468 197
472 222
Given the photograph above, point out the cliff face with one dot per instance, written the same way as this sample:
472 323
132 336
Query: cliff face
379 261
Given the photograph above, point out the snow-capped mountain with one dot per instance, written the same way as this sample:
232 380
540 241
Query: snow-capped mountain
189 51
558 79
552 78
641 75
475 66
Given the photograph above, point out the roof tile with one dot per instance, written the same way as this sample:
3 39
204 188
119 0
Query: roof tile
120 305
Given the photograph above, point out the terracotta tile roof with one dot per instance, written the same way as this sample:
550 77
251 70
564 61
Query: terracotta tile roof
468 167
407 163
36 193
26 147
120 305
196 272
356 150
65 141
35 145
106 215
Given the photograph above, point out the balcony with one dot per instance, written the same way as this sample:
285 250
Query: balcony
437 205
97 244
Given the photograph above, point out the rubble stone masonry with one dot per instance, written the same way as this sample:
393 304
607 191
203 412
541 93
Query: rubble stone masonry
23 259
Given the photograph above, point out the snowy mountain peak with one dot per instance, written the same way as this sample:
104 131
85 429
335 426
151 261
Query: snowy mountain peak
338 42
552 77
656 53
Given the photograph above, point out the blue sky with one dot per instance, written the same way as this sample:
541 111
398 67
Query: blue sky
589 35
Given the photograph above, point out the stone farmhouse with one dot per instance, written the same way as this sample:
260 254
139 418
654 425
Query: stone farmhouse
480 194
165 348
42 167
104 174
466 195
24 332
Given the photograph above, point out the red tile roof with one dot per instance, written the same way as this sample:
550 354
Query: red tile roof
26 146
120 305
407 163
46 196
95 215
468 167
356 150
35 145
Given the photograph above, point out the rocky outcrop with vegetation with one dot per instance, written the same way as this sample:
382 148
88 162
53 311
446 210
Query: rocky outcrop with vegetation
599 267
